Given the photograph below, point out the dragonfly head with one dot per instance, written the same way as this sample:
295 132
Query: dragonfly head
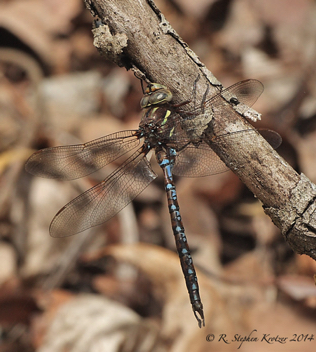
155 94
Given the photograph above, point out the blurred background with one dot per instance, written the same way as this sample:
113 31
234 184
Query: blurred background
119 286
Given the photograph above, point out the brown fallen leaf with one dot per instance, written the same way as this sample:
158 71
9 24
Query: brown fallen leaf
88 322
163 269
50 302
38 25
17 304
297 287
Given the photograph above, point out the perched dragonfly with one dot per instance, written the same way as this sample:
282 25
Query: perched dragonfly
176 137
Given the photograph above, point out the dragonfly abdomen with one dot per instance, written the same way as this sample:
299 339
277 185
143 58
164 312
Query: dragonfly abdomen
166 161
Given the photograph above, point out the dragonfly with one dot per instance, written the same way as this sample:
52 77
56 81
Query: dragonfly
175 135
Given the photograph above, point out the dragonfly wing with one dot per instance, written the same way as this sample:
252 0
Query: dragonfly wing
75 161
272 137
198 162
104 200
242 96
247 92
201 160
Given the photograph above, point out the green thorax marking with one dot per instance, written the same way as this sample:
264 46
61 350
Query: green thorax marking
165 119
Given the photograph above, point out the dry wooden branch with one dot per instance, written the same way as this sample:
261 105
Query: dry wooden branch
136 35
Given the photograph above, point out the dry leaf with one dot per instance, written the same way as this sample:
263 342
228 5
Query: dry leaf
163 269
93 323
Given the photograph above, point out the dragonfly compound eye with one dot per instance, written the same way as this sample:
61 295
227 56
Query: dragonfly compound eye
161 96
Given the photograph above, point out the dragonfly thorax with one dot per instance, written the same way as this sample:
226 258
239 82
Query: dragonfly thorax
156 123
155 94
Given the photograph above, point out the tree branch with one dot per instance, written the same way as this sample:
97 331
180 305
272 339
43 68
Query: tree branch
134 34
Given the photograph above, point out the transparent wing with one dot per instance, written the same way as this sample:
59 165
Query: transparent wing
247 92
201 160
198 162
243 93
104 200
75 161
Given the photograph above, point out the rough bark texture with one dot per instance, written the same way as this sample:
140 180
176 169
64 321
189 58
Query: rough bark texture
136 35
